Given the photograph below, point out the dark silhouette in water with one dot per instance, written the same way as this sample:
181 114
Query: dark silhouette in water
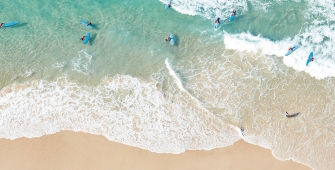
242 131
292 115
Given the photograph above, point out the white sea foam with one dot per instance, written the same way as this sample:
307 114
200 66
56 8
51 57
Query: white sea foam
256 44
209 8
59 64
26 74
122 108
174 75
321 67
82 63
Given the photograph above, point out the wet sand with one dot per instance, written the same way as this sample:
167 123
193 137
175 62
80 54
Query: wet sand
76 150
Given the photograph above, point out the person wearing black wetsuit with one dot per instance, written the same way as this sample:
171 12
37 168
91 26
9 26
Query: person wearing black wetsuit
234 12
217 20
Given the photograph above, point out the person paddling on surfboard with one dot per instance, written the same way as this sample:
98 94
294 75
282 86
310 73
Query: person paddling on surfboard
290 48
217 20
89 23
167 39
1 25
82 38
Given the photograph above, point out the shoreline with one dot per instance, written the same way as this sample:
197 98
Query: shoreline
78 150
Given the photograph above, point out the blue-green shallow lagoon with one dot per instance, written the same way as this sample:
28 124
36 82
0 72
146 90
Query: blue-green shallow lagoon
128 36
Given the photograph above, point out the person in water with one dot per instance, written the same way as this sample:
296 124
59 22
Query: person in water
1 25
167 39
234 12
242 131
290 48
82 38
89 23
217 20
312 59
169 5
287 115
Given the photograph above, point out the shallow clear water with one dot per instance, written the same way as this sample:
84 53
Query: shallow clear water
131 86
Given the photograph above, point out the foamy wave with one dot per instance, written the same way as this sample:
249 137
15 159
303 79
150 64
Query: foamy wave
82 63
320 68
209 8
174 75
256 44
122 108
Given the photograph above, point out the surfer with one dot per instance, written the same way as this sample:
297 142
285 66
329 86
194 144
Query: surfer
1 25
82 38
217 20
242 131
234 13
168 39
169 5
312 59
290 48
287 115
89 23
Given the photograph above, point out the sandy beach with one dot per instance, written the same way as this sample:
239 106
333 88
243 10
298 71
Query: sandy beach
76 150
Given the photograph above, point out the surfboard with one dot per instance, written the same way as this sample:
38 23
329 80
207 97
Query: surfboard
309 58
171 39
86 24
88 36
216 25
291 51
10 24
232 17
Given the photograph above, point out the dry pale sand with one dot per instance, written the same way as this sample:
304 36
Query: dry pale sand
74 150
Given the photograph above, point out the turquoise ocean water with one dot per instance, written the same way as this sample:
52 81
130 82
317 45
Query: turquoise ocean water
131 86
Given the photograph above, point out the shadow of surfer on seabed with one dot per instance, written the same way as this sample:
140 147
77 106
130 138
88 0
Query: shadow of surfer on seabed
292 115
